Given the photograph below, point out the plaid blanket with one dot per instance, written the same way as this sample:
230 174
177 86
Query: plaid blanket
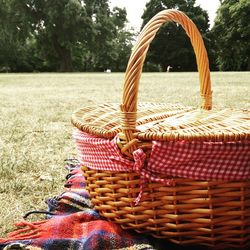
72 223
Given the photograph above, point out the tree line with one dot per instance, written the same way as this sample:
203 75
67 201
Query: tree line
87 35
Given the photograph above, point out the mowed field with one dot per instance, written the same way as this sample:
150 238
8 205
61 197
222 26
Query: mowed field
35 128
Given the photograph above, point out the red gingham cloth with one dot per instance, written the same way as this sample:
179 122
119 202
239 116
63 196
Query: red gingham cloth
202 160
102 154
194 160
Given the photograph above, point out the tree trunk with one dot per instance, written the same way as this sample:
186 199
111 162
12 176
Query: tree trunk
248 65
64 56
66 61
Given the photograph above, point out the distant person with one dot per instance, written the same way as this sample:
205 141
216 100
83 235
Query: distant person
169 68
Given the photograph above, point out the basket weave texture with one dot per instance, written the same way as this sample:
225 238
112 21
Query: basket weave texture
214 213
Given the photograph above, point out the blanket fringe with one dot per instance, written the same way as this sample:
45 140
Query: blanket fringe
28 230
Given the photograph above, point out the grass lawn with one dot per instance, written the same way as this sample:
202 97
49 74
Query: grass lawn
35 128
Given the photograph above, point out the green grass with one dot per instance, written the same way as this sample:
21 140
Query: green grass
35 128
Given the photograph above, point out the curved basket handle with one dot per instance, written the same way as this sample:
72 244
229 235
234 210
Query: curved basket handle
136 61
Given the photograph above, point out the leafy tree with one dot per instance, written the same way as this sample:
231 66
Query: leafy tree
112 42
64 35
57 26
171 46
122 46
13 47
231 33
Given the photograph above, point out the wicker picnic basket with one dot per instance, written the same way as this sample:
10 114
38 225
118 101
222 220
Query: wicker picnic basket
187 169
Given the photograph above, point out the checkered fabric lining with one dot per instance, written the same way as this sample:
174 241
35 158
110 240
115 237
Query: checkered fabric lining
194 160
202 160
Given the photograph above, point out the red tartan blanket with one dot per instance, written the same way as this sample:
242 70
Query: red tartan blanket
73 224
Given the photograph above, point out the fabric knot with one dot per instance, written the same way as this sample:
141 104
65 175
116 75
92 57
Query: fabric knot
138 167
139 158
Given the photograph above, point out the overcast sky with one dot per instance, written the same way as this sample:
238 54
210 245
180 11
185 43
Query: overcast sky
135 9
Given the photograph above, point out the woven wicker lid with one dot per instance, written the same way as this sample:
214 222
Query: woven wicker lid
151 121
167 122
